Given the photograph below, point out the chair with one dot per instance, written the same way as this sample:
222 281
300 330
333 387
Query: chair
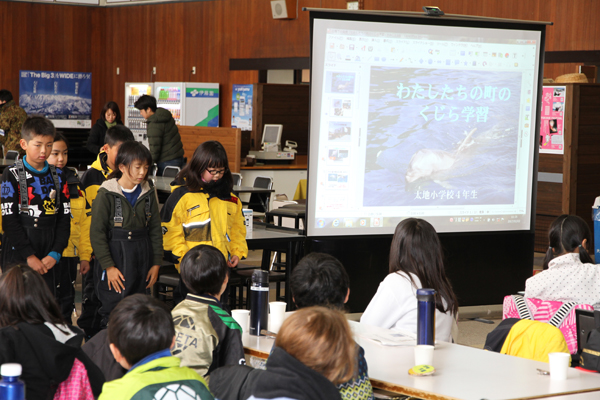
556 313
12 155
171 171
241 278
259 202
237 179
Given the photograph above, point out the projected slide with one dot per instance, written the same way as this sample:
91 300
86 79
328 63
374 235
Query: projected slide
421 121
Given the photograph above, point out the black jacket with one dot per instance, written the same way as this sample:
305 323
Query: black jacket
285 377
96 139
46 361
98 350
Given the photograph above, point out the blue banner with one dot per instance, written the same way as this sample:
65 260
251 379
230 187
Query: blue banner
56 95
241 107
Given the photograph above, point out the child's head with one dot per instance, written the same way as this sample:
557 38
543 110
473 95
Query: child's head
25 297
416 249
208 169
60 149
146 104
5 96
111 113
132 162
115 136
568 234
37 136
320 280
139 326
204 270
321 339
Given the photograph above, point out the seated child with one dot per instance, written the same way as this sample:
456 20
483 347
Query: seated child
34 334
569 272
141 333
314 351
321 280
416 262
207 336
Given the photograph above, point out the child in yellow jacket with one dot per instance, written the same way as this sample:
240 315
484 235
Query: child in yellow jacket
78 249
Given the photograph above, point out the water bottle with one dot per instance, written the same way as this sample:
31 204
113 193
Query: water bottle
426 316
11 387
259 302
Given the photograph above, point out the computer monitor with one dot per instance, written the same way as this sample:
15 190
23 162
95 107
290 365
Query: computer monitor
586 321
272 134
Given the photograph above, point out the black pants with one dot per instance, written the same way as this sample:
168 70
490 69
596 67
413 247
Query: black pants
90 318
65 292
132 253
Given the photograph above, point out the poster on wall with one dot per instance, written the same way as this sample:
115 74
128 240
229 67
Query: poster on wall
241 107
63 97
552 126
201 104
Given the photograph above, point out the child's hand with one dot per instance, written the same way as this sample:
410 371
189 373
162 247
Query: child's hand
36 264
152 276
115 279
233 261
48 262
84 267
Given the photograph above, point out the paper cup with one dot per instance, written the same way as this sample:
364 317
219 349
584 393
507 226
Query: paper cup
277 315
242 317
424 354
559 365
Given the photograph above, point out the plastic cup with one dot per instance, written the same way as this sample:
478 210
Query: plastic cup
559 365
277 315
242 317
424 354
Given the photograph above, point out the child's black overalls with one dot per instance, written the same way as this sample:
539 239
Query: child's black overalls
131 250
40 230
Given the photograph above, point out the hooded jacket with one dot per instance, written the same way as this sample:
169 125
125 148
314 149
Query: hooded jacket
46 356
103 213
163 137
79 241
285 377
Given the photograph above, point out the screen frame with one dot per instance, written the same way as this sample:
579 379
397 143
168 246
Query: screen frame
421 19
279 133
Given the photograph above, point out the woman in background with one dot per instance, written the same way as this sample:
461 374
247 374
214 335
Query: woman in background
109 117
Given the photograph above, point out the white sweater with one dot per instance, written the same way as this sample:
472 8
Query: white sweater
566 279
394 306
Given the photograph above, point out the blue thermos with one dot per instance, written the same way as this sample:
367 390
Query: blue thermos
11 387
259 302
426 316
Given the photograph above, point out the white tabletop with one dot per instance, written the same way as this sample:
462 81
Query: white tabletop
163 184
461 372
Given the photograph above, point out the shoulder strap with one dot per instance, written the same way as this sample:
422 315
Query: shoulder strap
56 182
147 210
118 220
560 314
522 308
23 187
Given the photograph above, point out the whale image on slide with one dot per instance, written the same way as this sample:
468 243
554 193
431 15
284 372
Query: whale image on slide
428 163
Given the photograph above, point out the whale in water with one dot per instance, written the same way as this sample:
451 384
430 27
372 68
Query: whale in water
429 163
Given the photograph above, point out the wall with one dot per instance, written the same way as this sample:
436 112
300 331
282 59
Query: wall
174 37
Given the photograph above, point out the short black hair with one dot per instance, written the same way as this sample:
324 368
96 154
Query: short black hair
140 325
118 134
130 152
319 280
145 102
59 137
37 126
5 95
203 269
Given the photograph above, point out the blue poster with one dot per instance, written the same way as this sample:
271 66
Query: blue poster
64 97
241 107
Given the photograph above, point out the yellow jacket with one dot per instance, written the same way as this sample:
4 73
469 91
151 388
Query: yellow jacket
191 218
534 340
79 241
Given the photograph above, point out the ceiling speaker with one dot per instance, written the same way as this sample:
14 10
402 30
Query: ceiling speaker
283 9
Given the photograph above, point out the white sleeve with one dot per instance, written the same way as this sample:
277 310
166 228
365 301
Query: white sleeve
388 306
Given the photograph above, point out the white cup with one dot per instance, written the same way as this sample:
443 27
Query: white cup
423 354
277 315
242 317
559 365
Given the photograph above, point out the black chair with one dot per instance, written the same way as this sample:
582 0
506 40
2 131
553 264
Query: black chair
12 155
237 179
259 202
171 172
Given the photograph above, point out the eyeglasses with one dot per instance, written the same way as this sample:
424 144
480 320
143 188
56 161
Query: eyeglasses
216 171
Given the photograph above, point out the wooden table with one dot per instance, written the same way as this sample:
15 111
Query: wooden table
461 372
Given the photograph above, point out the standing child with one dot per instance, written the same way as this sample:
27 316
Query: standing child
126 238
35 206
203 210
78 248
416 262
